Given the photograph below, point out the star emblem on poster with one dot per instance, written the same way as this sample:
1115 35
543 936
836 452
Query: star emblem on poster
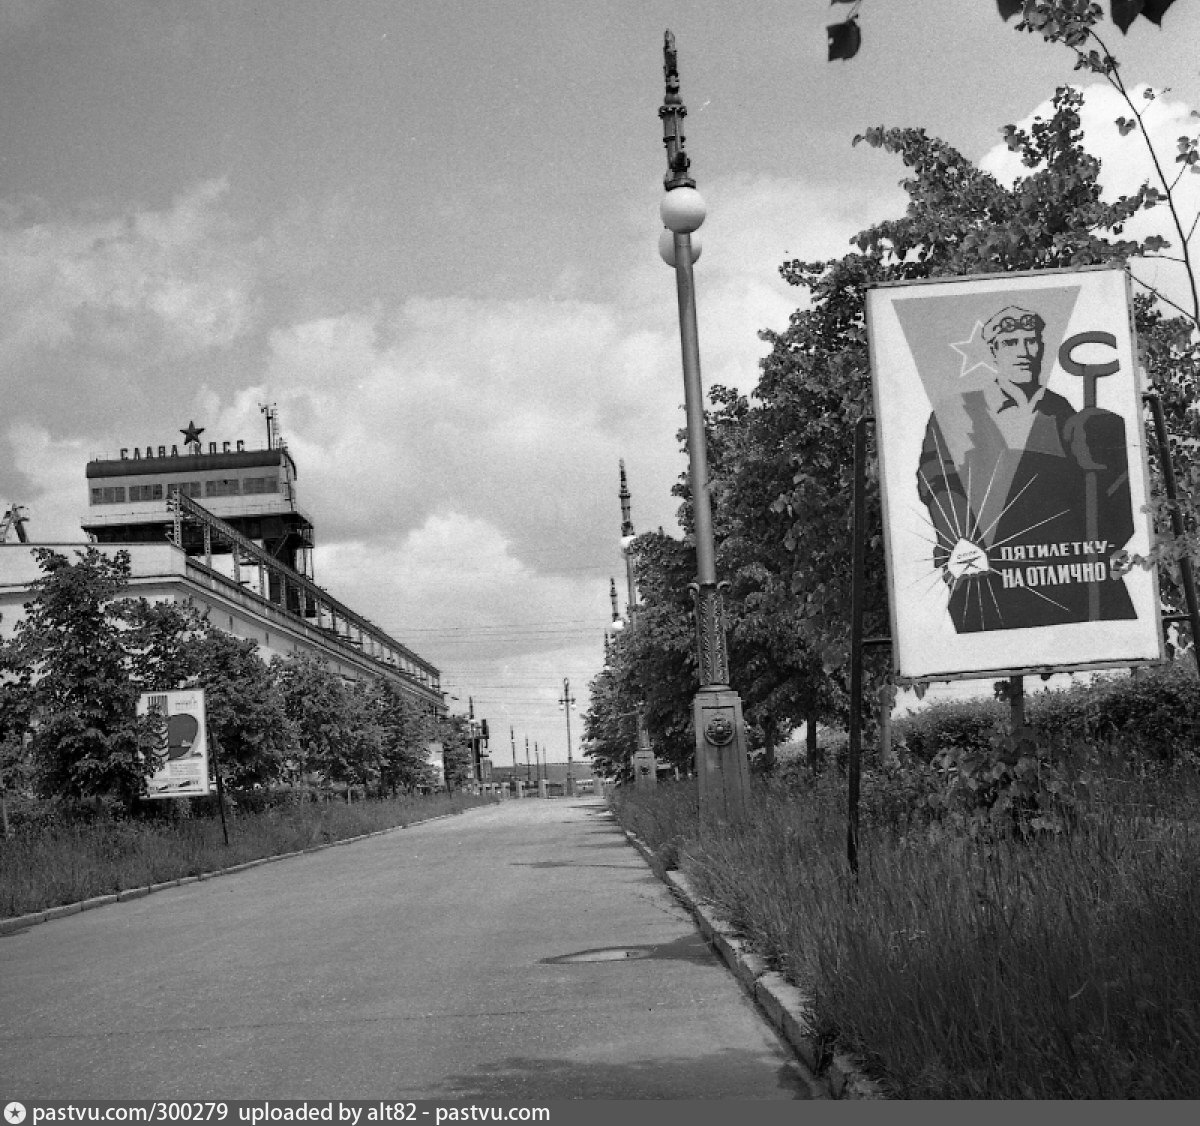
191 434
974 352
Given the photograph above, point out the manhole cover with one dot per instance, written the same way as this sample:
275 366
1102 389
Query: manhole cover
607 954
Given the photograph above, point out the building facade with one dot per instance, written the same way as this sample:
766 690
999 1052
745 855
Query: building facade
220 527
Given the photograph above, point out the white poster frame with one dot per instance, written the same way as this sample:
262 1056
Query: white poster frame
186 775
1083 322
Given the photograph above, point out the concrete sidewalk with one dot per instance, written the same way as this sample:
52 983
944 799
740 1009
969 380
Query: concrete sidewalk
522 951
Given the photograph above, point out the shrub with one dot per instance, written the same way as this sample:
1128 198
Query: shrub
1058 967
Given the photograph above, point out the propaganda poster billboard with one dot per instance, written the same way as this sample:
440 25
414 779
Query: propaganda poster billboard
183 771
1013 470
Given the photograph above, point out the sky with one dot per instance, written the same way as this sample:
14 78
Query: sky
426 230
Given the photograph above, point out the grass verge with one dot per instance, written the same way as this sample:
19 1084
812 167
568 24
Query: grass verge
959 966
68 863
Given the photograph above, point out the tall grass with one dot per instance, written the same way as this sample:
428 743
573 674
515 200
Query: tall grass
972 967
67 862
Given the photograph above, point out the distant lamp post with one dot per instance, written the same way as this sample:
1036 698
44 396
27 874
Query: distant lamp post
617 624
645 767
567 703
721 763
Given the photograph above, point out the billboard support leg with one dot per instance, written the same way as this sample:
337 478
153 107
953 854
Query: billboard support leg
1187 578
220 787
857 583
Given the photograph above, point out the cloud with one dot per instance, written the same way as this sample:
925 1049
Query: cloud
47 479
1126 165
453 590
458 454
93 308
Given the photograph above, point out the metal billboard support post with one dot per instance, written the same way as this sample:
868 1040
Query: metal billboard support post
858 643
220 786
1187 576
857 597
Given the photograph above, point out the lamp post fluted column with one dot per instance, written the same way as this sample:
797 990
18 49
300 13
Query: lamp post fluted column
720 730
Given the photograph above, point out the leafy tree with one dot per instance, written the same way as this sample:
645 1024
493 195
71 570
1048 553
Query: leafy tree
406 730
793 465
323 714
15 766
610 723
453 731
173 646
160 642
656 656
72 674
246 713
781 463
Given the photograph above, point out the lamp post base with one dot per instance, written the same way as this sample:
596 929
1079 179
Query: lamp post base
721 763
645 769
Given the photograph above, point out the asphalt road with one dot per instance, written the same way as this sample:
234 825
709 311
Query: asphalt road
480 956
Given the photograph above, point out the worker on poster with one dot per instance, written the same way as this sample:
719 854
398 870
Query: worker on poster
1029 499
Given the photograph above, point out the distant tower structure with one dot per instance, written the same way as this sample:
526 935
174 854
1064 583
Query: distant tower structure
271 411
254 491
14 520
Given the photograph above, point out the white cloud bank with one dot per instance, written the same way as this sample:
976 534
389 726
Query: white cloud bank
458 455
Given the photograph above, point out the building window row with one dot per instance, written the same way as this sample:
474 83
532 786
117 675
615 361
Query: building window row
226 487
252 485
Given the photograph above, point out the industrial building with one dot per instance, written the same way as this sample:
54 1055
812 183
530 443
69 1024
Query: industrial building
219 525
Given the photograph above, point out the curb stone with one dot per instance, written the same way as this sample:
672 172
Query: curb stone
784 1005
16 923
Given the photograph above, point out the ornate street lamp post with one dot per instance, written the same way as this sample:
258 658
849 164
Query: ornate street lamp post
721 764
645 768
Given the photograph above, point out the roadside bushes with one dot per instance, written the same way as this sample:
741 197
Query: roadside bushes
958 964
1154 714
958 763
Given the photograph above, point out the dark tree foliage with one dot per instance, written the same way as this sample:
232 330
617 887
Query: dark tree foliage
406 730
781 462
796 455
651 664
73 682
454 733
323 713
173 646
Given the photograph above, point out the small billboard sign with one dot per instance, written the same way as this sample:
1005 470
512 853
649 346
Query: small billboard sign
183 753
1013 474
